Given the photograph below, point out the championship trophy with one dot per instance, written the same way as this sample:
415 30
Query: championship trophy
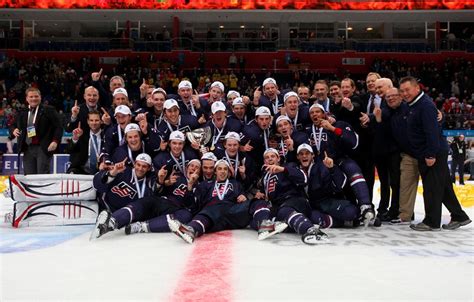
201 136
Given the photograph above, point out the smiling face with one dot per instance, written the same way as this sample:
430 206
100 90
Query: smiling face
33 98
91 95
141 168
270 90
219 118
158 99
231 146
123 119
93 120
409 91
370 82
185 93
305 158
239 111
193 167
172 115
347 89
222 172
133 140
291 106
215 94
321 91
335 91
393 98
176 147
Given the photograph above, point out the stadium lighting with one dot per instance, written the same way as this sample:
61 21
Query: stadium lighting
349 28
221 26
369 28
242 26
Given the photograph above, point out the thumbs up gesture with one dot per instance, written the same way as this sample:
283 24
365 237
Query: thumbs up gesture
96 75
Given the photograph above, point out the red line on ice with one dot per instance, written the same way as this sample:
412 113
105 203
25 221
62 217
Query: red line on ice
208 271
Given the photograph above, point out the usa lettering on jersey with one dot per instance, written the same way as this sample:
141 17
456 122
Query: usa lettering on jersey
180 190
221 190
312 140
123 189
272 182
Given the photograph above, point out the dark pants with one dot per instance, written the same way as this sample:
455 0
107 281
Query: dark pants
389 175
438 190
459 165
35 161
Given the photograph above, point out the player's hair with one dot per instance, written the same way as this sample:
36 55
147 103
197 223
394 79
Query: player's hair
32 89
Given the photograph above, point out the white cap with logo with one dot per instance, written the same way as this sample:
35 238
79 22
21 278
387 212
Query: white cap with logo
304 147
185 84
120 90
218 106
170 103
177 135
218 85
123 110
132 127
143 157
262 110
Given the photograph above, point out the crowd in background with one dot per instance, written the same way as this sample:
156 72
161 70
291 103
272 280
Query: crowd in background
451 85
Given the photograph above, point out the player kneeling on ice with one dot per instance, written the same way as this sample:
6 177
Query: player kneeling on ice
222 206
325 185
121 186
284 188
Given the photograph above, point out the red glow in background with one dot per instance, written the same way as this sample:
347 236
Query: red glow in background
241 4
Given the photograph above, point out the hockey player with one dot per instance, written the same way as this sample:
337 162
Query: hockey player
283 186
336 141
149 214
222 204
208 160
241 167
256 135
134 144
174 120
289 139
189 103
178 157
271 97
122 185
325 184
298 114
220 125
114 135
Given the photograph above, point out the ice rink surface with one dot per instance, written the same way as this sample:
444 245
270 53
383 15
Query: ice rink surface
390 263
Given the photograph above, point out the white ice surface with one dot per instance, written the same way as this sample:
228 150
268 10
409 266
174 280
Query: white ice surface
391 263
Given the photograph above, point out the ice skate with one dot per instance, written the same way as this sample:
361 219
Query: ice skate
136 227
315 236
104 224
269 228
186 232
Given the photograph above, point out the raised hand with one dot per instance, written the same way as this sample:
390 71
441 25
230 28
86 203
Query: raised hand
77 133
143 88
119 167
75 110
195 99
202 119
326 125
256 96
274 169
247 147
96 75
378 114
162 175
143 126
327 161
106 119
347 103
364 119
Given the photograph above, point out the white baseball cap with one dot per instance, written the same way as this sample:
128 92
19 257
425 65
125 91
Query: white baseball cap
231 92
123 110
221 161
197 161
238 101
232 135
209 156
316 105
185 84
262 110
218 85
269 81
271 150
158 90
144 158
290 94
132 127
170 103
217 106
177 135
304 147
282 118
120 90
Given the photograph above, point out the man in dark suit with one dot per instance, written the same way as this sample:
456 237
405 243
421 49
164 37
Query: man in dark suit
79 113
458 147
39 132
84 148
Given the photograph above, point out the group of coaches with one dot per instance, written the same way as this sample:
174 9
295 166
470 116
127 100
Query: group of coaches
400 138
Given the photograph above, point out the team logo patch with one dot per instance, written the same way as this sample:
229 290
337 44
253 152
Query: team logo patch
124 190
180 190
221 190
272 182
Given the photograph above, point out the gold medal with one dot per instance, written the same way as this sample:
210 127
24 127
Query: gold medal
212 148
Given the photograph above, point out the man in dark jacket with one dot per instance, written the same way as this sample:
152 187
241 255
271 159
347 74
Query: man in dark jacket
39 132
458 147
